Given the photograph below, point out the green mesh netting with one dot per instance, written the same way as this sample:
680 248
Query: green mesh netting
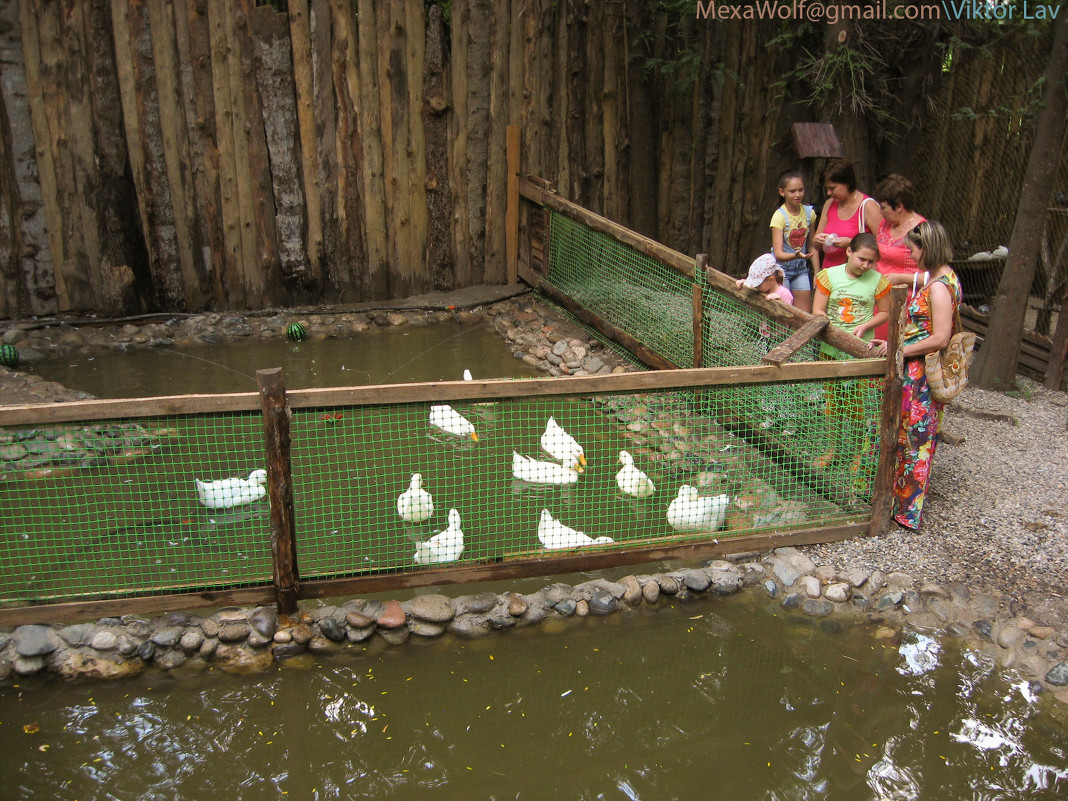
634 292
111 508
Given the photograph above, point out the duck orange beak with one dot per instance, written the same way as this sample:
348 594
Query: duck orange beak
474 436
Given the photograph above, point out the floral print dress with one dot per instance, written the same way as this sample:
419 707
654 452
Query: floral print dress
921 415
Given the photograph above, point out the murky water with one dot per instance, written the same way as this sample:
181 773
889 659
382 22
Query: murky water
700 699
730 699
393 355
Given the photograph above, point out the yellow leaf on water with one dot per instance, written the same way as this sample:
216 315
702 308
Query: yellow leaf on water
44 747
31 728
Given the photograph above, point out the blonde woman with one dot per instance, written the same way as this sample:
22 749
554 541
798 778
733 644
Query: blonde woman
929 326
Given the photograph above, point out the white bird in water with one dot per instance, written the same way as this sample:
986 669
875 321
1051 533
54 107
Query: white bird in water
229 492
631 480
448 419
527 468
445 546
556 442
415 504
555 536
468 376
689 511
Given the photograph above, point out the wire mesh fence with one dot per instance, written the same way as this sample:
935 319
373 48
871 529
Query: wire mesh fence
392 487
392 480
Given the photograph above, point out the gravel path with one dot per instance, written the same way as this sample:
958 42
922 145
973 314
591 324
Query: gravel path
996 517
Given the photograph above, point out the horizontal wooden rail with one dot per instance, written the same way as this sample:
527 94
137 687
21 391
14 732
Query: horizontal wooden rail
390 581
439 391
679 262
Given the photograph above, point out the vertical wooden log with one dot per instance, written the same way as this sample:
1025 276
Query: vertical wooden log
882 498
232 281
46 163
300 43
31 287
325 138
124 266
410 27
189 240
372 170
194 55
495 265
512 213
274 84
263 268
440 266
277 446
699 309
459 123
351 229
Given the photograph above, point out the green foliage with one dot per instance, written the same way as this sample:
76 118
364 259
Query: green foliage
446 9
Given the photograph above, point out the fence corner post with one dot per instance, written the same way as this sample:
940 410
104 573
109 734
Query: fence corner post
279 488
699 280
511 215
882 497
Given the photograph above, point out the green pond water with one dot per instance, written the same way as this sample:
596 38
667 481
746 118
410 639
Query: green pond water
730 699
726 698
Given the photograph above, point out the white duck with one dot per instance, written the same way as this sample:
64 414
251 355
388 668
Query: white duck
689 511
415 504
555 536
445 546
556 442
448 419
631 480
529 469
229 492
468 376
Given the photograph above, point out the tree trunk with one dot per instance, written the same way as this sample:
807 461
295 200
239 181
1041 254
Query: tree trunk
440 267
996 363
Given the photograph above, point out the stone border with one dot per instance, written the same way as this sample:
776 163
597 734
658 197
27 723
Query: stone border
250 640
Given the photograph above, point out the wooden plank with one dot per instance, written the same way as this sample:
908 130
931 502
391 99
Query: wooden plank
439 391
797 340
74 611
511 224
578 562
890 421
300 43
277 448
1058 349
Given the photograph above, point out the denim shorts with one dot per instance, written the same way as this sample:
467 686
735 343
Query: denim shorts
797 275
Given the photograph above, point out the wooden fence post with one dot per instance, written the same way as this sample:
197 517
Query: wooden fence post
511 216
279 488
700 262
882 496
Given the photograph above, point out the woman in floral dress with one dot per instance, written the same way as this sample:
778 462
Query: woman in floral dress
928 328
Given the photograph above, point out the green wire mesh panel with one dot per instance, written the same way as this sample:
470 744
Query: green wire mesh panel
650 469
632 291
111 508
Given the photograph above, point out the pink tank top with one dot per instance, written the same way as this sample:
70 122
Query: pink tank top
845 230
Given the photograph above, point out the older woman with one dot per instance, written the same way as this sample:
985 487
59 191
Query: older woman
929 326
847 213
897 203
